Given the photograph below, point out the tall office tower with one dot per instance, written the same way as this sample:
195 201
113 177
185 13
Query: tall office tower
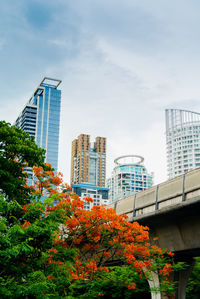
128 177
183 141
88 161
41 118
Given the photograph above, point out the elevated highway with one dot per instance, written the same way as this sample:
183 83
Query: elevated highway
171 210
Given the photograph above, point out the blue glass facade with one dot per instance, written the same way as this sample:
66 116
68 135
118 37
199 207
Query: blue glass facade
93 167
41 118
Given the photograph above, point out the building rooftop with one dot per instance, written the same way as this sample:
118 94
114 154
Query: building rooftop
88 185
50 82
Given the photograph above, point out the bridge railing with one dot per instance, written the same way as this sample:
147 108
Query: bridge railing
170 193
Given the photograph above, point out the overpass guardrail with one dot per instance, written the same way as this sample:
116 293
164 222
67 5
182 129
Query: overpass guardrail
169 193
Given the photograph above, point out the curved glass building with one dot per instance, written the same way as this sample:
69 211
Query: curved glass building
128 177
182 140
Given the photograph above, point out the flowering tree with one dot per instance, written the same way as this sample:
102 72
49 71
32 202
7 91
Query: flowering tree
111 285
100 237
53 242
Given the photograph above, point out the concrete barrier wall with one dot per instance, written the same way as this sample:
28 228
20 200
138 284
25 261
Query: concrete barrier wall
111 206
145 210
170 202
192 180
125 205
167 194
170 189
146 198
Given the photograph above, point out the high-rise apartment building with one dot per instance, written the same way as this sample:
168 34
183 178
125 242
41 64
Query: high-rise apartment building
183 141
41 118
128 177
88 161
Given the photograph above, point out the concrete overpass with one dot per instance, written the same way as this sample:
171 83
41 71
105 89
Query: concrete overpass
172 212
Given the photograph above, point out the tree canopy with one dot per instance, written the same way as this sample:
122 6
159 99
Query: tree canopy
47 245
193 287
56 242
17 151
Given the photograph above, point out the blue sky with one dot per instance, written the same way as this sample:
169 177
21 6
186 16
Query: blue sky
121 62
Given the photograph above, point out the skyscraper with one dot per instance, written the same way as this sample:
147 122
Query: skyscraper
88 170
182 140
128 177
41 118
88 161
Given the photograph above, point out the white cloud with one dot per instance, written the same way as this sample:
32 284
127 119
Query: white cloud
122 63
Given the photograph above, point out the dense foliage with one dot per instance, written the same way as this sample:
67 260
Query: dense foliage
110 285
193 288
17 150
50 246
24 248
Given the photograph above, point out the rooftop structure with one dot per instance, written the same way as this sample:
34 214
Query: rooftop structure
128 177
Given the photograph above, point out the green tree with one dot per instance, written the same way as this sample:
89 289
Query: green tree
27 233
49 246
25 249
45 246
17 151
110 285
193 288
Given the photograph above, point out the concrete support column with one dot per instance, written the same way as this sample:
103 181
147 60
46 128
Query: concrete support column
182 278
154 284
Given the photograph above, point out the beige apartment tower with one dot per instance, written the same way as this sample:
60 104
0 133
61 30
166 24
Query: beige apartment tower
88 161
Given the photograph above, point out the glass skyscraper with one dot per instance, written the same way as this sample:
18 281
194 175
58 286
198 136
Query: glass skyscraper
41 118
183 141
128 178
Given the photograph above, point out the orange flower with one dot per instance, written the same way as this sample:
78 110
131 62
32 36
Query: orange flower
88 199
26 224
166 269
132 286
53 250
50 277
170 253
25 208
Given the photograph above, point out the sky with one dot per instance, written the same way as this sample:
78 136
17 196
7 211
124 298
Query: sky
122 63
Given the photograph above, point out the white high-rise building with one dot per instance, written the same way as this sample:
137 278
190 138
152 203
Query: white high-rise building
128 177
182 140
